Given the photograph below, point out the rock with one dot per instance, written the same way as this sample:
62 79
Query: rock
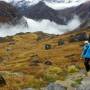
85 85
79 37
29 89
47 46
48 62
35 60
2 81
53 86
12 43
60 42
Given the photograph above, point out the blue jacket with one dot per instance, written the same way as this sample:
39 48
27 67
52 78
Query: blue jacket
86 51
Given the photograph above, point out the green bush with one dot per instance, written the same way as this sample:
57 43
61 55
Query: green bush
52 74
54 70
72 69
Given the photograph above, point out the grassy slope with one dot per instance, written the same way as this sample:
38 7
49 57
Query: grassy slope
17 58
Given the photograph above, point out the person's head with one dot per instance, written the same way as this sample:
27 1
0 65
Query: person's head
86 42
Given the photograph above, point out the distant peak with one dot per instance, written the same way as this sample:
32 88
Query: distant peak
41 2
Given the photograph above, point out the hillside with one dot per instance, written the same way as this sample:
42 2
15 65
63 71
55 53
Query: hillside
25 59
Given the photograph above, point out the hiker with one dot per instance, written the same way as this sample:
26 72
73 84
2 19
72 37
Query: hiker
86 55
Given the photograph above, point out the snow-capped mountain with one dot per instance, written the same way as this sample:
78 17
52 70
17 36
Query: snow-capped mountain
57 1
45 9
23 5
42 10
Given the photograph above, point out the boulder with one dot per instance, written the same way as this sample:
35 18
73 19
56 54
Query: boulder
47 46
60 42
48 62
35 60
85 84
29 89
12 43
2 81
79 37
53 86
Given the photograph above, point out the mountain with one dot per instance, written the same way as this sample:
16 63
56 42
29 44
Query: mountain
82 11
42 17
21 3
42 11
9 14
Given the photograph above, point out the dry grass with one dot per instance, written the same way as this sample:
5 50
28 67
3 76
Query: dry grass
17 58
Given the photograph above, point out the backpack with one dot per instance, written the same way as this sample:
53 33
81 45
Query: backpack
86 51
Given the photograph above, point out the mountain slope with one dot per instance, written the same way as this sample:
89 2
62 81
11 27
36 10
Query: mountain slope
9 14
25 57
42 11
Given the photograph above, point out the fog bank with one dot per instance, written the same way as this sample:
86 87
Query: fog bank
45 26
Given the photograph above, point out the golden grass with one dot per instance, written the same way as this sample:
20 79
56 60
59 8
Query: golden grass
18 59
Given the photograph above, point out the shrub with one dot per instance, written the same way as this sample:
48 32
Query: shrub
52 74
54 70
36 83
77 82
72 69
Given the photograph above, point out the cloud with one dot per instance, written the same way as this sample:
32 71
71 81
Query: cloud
58 6
52 28
45 26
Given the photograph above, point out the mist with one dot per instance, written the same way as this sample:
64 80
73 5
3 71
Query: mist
45 26
51 27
